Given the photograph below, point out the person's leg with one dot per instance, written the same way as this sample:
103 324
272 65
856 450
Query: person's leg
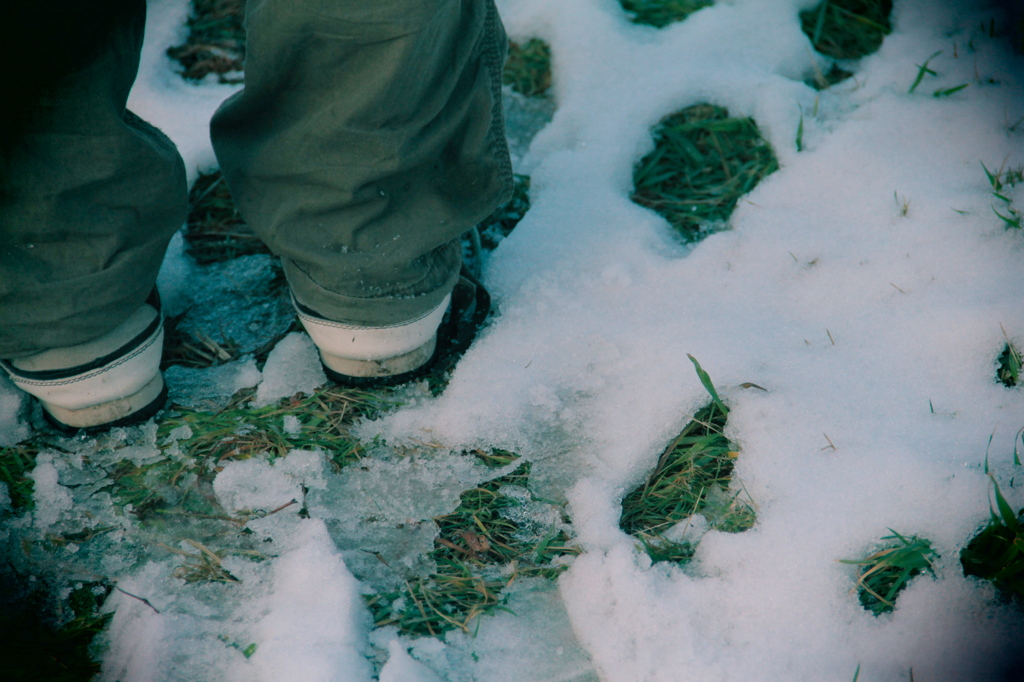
90 195
367 139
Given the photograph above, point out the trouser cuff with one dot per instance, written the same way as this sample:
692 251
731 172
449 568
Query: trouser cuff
384 304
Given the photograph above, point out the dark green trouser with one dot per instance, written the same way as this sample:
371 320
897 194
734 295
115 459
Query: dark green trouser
89 194
367 139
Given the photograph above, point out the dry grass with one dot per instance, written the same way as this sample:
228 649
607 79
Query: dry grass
216 41
528 68
214 231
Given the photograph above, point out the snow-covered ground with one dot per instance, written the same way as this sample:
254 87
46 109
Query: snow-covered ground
865 285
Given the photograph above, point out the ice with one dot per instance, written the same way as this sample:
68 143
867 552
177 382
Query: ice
539 645
306 466
51 498
524 118
13 427
401 667
175 279
210 388
253 484
256 486
533 641
240 304
292 367
381 510
144 450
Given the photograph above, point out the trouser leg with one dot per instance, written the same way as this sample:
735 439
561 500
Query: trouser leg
90 195
367 139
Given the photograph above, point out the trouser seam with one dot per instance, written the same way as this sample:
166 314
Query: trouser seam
494 62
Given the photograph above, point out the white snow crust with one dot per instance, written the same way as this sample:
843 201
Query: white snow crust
292 367
866 286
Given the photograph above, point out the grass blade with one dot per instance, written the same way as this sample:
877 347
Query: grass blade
922 70
949 91
1016 453
710 387
800 132
1005 510
1014 222
993 179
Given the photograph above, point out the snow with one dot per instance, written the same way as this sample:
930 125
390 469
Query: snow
317 625
292 367
873 329
401 667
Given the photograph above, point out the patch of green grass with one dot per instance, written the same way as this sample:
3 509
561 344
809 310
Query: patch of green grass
1013 219
847 29
16 463
245 650
1000 180
702 163
1008 366
692 477
179 485
241 432
216 41
661 13
996 553
887 572
480 550
528 68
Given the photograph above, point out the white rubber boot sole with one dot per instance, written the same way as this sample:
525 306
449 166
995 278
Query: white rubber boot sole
110 381
137 407
354 352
